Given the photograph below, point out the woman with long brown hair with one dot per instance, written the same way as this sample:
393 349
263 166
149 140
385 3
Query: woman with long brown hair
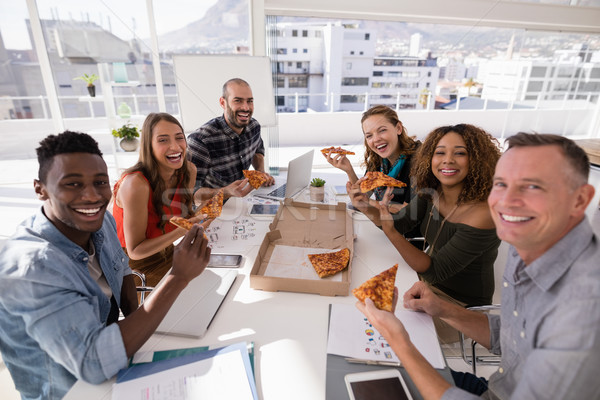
388 149
159 186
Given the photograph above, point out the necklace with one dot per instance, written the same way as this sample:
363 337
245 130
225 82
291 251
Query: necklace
429 249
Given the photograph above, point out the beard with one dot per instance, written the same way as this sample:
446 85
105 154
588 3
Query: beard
233 121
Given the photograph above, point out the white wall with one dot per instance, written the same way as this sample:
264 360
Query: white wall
312 129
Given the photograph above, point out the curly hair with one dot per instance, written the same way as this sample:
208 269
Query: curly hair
483 150
407 144
148 166
66 142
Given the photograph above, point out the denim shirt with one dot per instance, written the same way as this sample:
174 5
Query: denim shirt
549 327
53 314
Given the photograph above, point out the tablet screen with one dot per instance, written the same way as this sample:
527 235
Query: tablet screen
380 389
264 209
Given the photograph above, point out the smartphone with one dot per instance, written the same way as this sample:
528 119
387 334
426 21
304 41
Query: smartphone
225 260
383 384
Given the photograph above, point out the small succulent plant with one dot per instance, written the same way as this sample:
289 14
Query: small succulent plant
317 182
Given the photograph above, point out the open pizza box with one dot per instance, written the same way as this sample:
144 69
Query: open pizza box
297 229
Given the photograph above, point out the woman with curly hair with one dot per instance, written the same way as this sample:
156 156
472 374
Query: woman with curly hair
388 149
159 186
453 174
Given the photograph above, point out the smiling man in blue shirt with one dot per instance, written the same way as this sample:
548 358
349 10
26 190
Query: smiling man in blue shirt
64 277
548 331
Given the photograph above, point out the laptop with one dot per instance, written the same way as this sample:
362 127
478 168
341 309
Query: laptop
298 177
195 307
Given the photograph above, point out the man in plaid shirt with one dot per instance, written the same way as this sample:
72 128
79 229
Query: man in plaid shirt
228 144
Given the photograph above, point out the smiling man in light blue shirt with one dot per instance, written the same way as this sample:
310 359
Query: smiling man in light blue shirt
64 277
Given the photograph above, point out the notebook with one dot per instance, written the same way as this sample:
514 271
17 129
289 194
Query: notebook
197 304
298 177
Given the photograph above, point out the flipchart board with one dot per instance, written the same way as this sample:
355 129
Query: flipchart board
200 80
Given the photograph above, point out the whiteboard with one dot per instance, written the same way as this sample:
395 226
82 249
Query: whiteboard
200 80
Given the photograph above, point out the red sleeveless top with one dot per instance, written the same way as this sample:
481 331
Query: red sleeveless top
152 230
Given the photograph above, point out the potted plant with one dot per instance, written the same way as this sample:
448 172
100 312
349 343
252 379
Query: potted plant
89 79
129 135
317 189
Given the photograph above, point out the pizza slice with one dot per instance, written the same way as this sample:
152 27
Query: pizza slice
379 288
327 264
184 223
336 150
181 222
375 179
256 178
213 207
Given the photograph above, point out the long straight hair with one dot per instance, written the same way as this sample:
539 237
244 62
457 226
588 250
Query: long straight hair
148 166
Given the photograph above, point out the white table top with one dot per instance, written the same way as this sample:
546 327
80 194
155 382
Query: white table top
289 330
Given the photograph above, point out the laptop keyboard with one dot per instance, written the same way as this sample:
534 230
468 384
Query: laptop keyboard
279 192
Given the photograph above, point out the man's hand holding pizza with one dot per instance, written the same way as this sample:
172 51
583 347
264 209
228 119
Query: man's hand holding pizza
191 255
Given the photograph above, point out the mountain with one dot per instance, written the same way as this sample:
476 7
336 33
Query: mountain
224 26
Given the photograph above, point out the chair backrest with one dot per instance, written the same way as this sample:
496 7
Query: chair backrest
594 180
499 266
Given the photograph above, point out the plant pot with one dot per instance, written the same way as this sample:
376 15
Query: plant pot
317 193
129 144
92 90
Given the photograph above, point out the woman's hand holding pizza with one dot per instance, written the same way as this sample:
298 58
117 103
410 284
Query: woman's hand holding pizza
359 200
339 161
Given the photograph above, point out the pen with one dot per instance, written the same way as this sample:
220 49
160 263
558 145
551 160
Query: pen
372 362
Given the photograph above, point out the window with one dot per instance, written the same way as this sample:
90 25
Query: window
361 53
367 36
289 63
298 65
305 51
352 52
348 66
304 33
281 100
280 82
294 51
534 86
294 32
355 81
298 82
377 73
281 51
352 98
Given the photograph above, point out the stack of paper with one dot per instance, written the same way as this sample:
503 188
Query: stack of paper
352 335
223 373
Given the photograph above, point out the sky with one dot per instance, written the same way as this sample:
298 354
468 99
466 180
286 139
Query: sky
119 15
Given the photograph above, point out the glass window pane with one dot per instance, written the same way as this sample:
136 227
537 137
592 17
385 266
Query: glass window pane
22 92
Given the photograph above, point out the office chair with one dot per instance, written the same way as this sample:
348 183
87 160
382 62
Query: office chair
473 358
143 289
485 357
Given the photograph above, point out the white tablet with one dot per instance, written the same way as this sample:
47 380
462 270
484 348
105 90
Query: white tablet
383 384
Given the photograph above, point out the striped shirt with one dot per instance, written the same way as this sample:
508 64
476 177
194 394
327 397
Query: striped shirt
220 154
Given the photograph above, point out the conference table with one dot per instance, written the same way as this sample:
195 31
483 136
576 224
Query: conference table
289 330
